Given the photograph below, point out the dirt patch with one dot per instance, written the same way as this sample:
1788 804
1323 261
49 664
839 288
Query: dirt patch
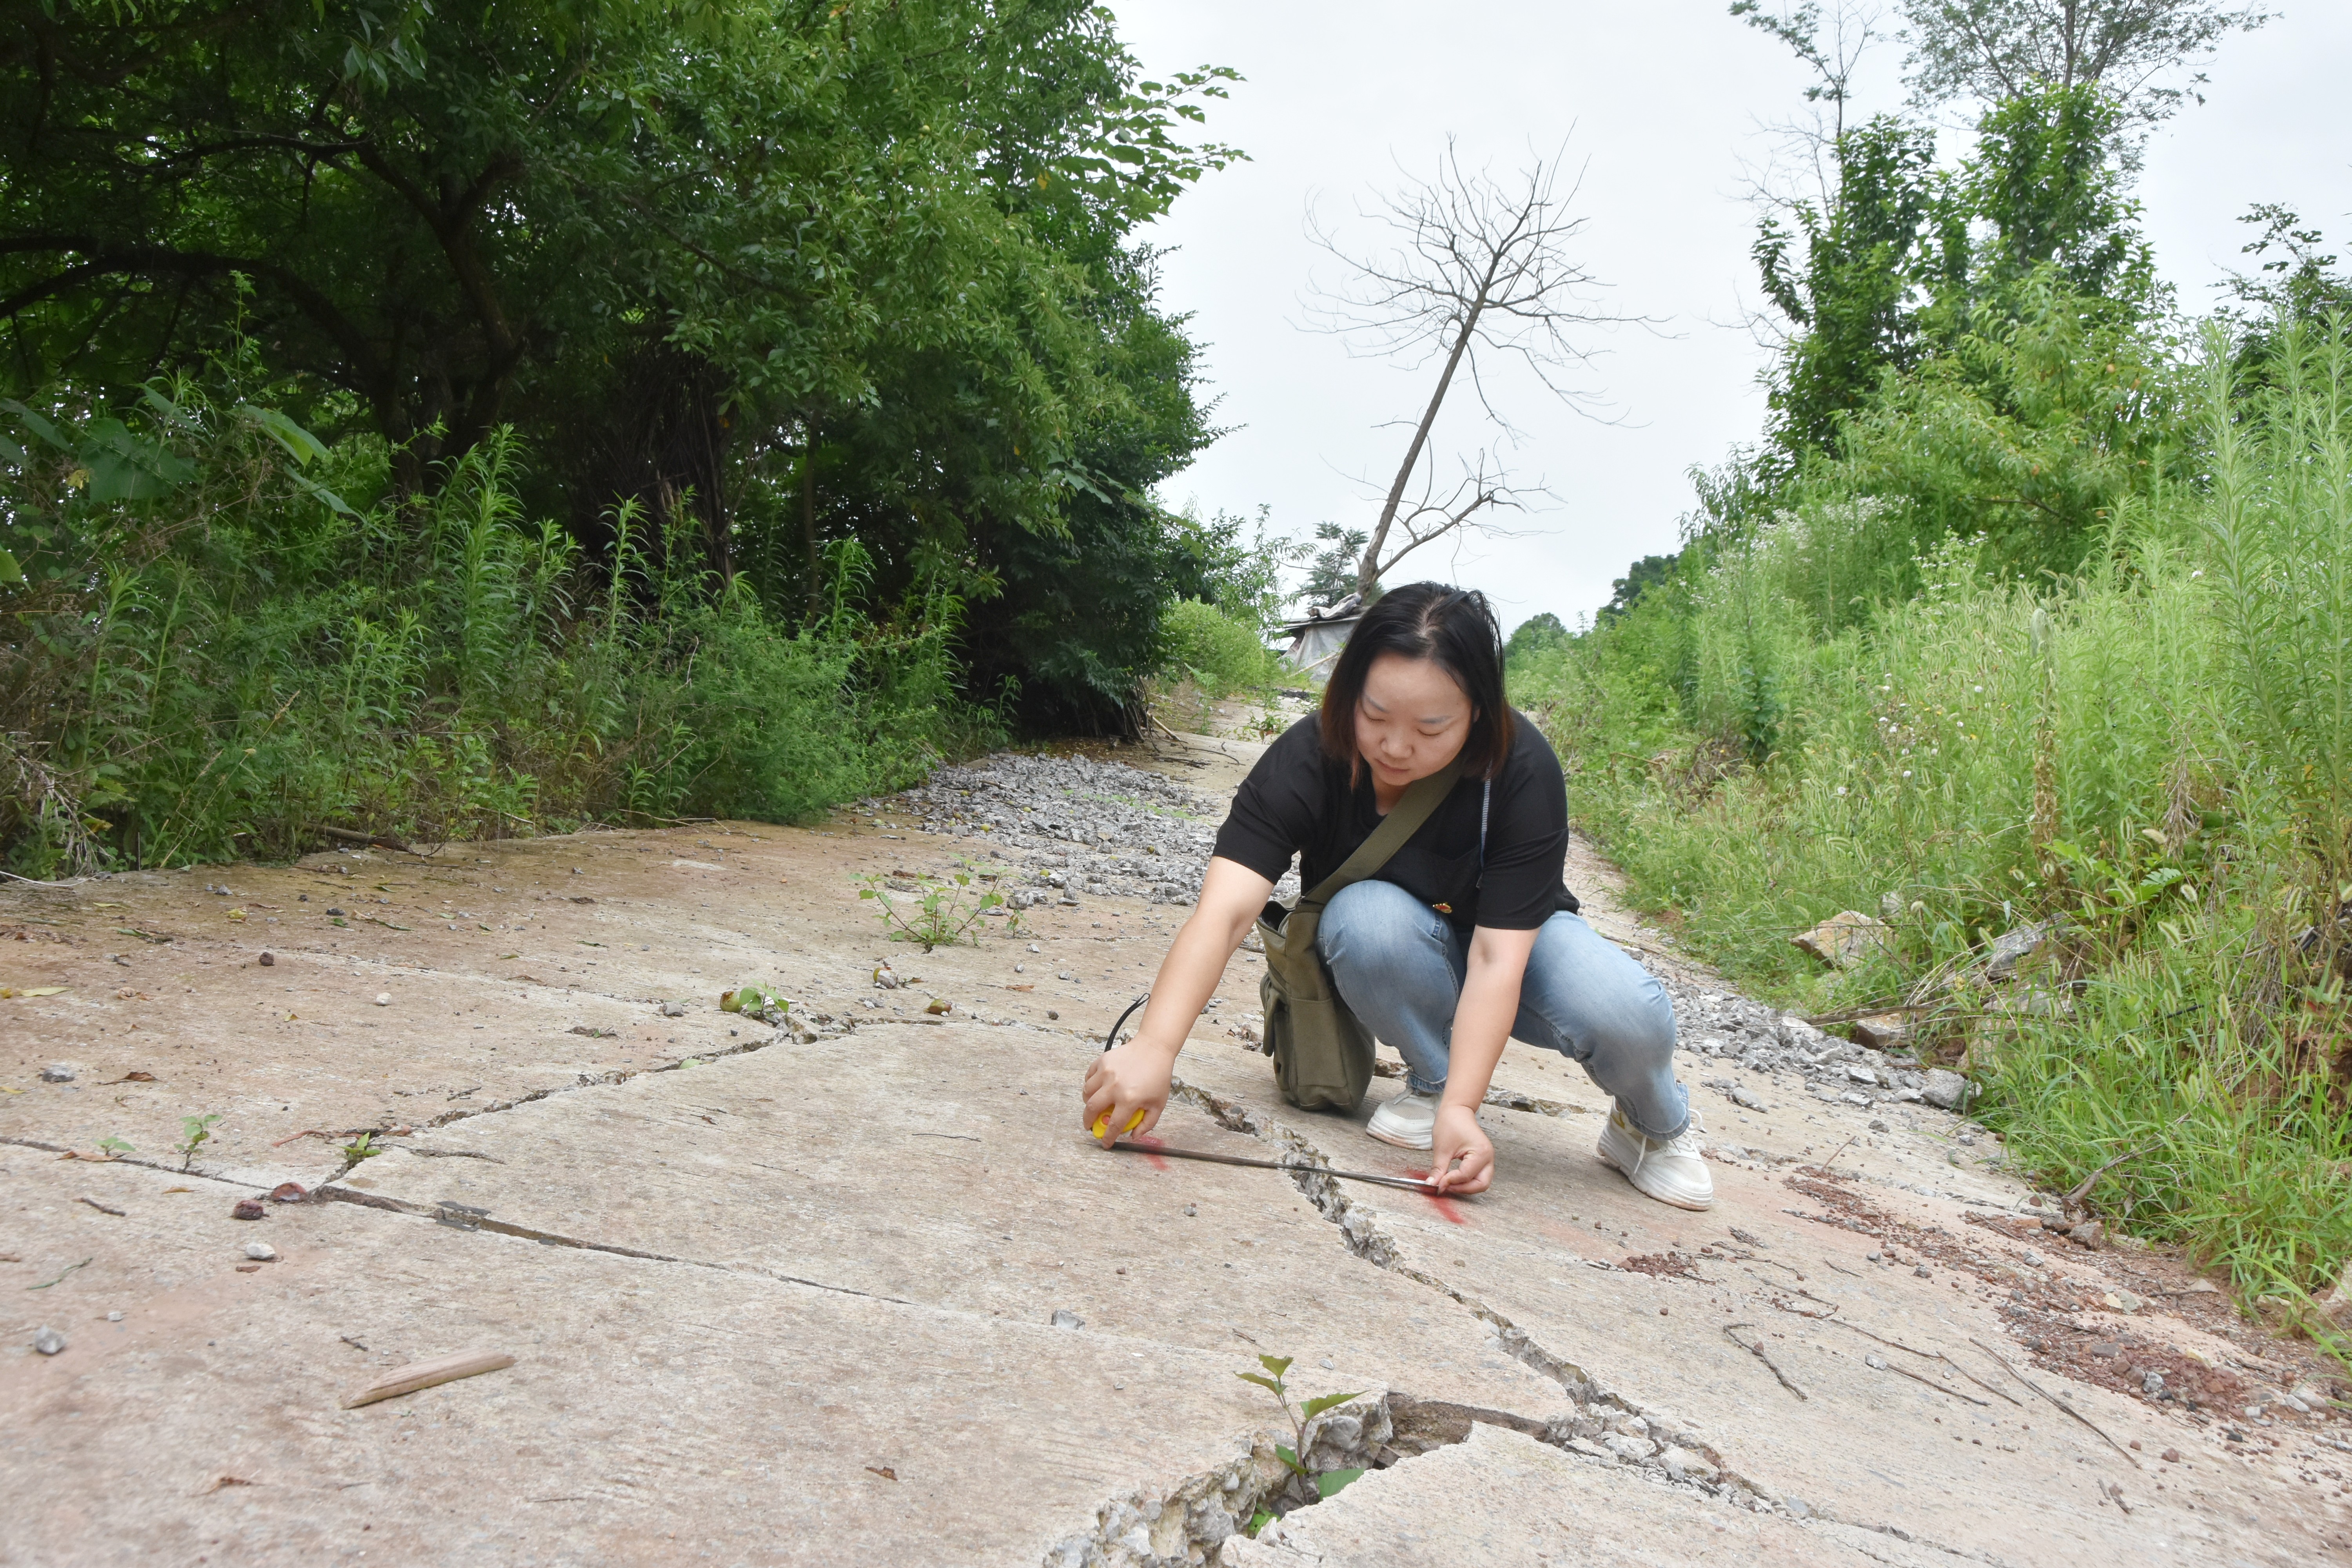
1663 1265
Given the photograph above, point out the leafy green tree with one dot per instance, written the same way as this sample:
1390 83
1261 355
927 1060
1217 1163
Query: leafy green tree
1992 50
1643 575
2045 188
1534 634
779 273
1331 572
1849 295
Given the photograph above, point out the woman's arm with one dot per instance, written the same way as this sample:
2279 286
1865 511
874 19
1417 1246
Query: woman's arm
1482 1023
1131 1080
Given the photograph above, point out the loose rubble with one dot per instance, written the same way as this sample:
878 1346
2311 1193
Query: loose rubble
1078 826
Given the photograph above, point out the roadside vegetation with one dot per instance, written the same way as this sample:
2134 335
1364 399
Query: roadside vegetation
2024 631
429 421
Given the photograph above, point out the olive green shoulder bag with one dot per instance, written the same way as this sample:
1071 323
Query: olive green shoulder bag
1322 1053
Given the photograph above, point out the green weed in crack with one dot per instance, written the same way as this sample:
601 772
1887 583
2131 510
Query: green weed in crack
936 911
1327 1483
196 1132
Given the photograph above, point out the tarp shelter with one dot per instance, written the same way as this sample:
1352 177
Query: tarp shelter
1315 641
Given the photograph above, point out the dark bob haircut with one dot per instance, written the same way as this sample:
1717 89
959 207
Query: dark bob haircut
1454 628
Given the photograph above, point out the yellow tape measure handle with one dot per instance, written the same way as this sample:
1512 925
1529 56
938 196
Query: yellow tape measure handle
1104 1120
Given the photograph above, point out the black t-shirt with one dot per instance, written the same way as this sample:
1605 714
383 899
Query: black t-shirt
1297 801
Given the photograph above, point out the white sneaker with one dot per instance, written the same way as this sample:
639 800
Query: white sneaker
1671 1172
1409 1122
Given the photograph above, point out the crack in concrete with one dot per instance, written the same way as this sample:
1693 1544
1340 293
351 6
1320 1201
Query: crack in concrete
1364 1238
464 1216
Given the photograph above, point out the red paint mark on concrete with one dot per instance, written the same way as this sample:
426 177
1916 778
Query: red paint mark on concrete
1445 1207
1145 1141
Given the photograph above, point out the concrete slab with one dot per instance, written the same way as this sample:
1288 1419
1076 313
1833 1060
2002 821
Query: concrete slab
657 1412
740 1291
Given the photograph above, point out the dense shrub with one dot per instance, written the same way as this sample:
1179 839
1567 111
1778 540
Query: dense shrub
210 652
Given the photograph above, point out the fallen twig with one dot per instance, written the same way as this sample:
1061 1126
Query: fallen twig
1757 1351
373 840
68 1268
427 1374
2053 1399
102 1208
1932 1355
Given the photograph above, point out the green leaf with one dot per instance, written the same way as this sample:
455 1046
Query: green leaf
1329 1483
10 572
1258 1521
1261 1380
36 424
300 445
1277 1364
1316 1406
1287 1457
323 495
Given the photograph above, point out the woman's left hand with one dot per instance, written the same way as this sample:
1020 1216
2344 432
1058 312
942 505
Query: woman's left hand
1458 1136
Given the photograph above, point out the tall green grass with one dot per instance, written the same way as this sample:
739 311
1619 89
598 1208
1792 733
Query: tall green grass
2153 755
211 653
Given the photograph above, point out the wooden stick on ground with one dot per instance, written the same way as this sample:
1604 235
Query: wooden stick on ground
427 1373
2053 1399
1757 1351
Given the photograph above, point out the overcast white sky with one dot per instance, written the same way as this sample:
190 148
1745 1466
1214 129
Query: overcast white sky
1662 102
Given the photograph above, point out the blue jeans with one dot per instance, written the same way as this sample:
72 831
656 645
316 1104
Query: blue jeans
1400 965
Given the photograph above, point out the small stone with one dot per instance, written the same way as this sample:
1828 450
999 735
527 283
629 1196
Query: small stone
1944 1089
2033 1259
249 1209
261 1252
1685 1466
673 1009
1842 940
115 1317
334 914
383 998
1326 1363
288 1193
1876 1125
1630 1450
1190 1210
267 961
47 1341
1922 1272
1863 1075
1874 1361
2170 1455
1883 1031
56 1072
1050 1013
1065 1319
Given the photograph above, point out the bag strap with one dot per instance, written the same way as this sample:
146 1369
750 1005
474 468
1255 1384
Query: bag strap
1418 803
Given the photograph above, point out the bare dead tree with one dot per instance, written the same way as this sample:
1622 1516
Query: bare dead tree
1481 270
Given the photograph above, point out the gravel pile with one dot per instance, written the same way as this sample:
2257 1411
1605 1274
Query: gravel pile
1731 1028
1077 826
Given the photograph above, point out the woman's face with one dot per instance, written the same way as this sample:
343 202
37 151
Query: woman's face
1412 719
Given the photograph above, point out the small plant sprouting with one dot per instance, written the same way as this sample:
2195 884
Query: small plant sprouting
1327 1483
196 1132
362 1147
114 1148
942 909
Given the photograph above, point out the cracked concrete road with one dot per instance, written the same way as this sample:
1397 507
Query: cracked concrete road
789 1296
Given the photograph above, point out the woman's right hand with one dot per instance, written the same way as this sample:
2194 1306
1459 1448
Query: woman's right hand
1126 1091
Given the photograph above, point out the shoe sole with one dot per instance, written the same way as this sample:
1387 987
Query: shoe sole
1398 1140
1696 1205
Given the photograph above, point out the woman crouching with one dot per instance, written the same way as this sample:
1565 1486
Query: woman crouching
1463 937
